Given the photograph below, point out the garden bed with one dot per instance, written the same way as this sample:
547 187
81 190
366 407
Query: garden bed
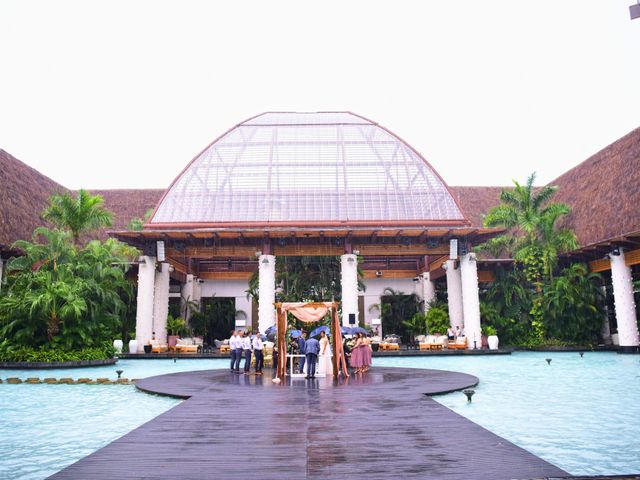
69 364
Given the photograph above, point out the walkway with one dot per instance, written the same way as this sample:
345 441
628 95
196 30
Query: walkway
380 425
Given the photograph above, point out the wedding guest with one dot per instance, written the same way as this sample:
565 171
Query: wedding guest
357 354
238 344
301 350
451 334
233 347
367 353
258 346
246 349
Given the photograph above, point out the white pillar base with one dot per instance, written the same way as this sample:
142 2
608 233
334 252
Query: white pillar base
266 292
144 312
349 283
161 303
624 303
454 294
471 300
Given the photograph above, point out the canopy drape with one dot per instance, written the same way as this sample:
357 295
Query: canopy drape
310 312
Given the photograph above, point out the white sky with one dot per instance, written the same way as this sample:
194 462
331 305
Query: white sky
123 94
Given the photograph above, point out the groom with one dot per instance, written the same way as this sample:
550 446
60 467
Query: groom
312 348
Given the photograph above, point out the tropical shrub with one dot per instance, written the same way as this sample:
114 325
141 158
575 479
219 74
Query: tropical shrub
572 305
58 295
437 318
417 325
49 354
396 307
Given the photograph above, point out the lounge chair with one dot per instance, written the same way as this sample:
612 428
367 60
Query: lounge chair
459 344
157 347
187 345
434 342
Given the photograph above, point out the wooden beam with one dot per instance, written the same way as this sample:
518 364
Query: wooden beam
225 275
632 257
486 276
600 265
390 274
326 250
213 252
395 250
437 264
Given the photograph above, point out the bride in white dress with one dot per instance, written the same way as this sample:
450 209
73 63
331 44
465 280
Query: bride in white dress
324 359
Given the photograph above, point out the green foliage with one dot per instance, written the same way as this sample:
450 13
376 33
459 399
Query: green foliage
79 214
137 224
488 330
177 326
54 354
437 318
533 238
60 296
396 307
572 305
417 325
312 279
216 320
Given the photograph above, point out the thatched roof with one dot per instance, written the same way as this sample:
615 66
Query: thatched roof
126 204
604 192
477 201
24 194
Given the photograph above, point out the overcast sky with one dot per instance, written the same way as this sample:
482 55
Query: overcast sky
123 94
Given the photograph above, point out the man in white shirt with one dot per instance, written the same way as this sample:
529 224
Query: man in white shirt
258 346
246 349
235 352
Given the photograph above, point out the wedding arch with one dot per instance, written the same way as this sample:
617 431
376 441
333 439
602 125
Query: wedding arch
309 312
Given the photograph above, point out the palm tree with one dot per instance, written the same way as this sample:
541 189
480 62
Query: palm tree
79 214
534 237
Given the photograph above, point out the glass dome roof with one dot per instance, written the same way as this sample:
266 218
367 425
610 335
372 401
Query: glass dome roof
323 168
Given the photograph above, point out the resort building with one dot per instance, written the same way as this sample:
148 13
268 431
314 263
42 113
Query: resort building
337 184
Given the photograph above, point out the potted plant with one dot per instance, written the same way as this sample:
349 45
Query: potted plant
175 327
492 337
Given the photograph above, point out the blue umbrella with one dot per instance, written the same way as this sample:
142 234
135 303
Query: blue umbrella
346 330
270 330
317 331
355 330
295 333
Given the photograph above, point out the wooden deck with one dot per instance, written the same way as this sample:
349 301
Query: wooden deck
379 425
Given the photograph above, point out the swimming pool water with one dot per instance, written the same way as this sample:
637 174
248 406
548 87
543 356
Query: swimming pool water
579 413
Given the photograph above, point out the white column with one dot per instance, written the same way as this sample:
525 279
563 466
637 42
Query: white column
470 299
454 293
161 303
144 313
428 289
349 282
625 305
266 291
187 296
606 329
